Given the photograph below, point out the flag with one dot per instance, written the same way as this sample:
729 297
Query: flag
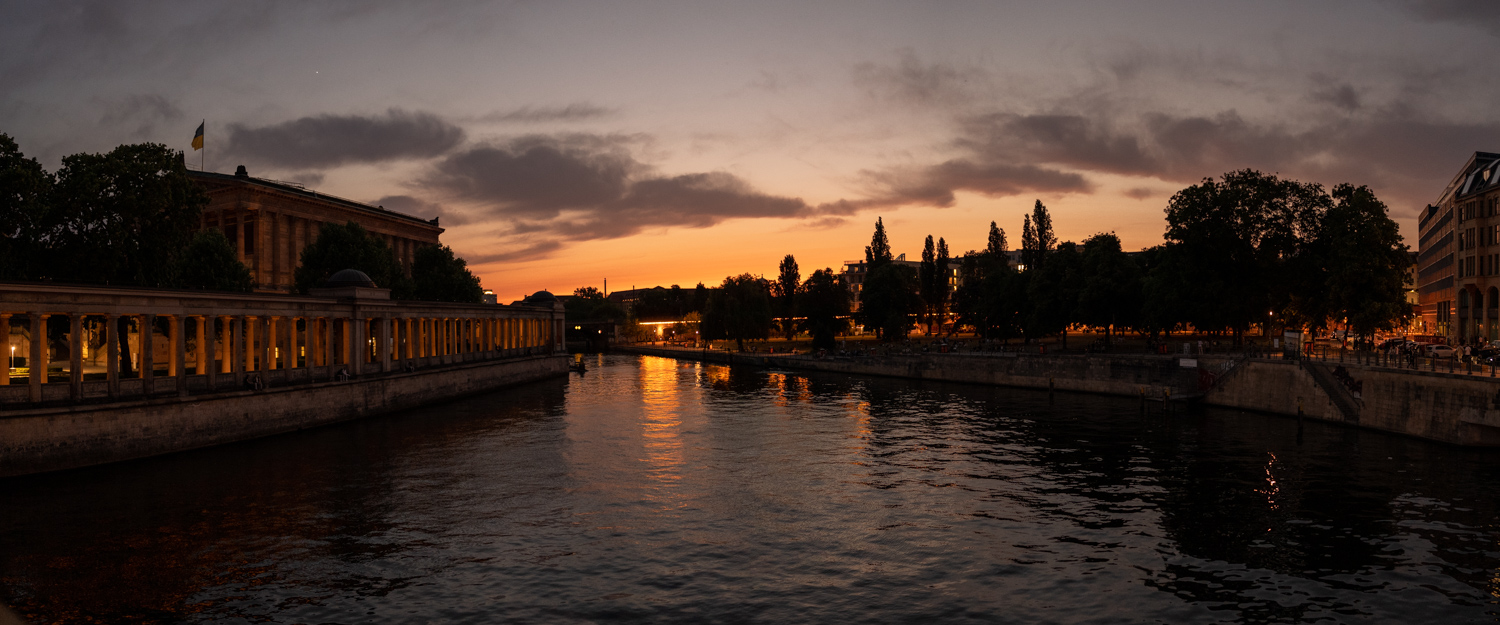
198 138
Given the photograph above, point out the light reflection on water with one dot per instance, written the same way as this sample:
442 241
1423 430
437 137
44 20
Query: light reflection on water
650 490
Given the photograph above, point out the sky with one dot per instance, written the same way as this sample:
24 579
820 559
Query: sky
656 143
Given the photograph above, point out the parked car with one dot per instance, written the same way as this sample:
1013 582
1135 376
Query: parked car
1440 351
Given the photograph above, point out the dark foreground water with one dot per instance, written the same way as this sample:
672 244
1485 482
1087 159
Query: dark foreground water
655 491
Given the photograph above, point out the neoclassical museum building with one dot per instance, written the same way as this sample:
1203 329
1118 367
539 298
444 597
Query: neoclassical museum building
270 222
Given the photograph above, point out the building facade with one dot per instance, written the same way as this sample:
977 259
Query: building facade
1458 258
270 222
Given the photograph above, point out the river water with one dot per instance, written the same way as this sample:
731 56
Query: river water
655 491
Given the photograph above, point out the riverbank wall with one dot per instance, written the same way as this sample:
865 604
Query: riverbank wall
36 440
1452 408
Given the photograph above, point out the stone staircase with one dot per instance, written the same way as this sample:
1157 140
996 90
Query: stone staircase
1346 402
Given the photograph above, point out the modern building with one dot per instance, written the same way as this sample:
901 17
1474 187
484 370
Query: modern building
1458 258
270 222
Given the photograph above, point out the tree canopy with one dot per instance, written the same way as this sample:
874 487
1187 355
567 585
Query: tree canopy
350 246
825 306
210 262
738 310
437 275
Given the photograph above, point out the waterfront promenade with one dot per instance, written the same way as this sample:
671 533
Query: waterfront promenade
1454 406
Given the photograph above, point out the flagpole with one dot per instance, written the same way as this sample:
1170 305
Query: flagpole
202 158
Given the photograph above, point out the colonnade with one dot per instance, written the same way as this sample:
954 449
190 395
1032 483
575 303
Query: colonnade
231 345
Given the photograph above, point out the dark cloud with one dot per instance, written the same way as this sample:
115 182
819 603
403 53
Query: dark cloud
914 82
533 115
332 140
580 187
1395 150
408 205
1476 13
1138 193
1341 96
534 251
142 112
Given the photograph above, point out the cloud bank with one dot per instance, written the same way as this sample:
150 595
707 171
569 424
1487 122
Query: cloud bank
325 141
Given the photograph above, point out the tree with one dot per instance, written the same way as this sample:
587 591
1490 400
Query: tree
825 307
940 303
350 246
1037 239
1110 290
210 262
121 217
438 275
1243 235
1363 264
1052 293
739 309
927 279
996 245
878 252
588 304
786 294
889 300
25 190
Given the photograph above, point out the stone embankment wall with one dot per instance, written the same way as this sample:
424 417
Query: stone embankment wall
49 439
1448 407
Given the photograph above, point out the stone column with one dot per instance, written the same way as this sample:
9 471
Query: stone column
75 356
179 354
145 336
355 337
112 353
249 324
263 328
38 359
238 353
174 332
226 347
407 345
291 343
384 343
206 366
11 363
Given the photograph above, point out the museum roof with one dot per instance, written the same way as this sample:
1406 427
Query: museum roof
242 178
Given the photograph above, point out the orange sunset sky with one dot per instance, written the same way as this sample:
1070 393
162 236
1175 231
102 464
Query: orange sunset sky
661 143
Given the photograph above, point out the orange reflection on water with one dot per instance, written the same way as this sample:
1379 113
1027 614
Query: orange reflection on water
661 422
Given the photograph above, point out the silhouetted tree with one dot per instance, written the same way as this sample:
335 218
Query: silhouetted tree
927 279
739 309
588 304
825 307
209 262
1363 264
878 252
25 192
889 300
1240 238
1037 239
997 244
350 246
1052 293
121 217
786 294
1109 293
438 275
943 260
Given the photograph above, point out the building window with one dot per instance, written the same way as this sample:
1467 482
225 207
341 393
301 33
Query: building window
249 238
230 231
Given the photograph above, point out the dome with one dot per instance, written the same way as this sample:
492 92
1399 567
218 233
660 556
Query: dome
541 298
348 278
